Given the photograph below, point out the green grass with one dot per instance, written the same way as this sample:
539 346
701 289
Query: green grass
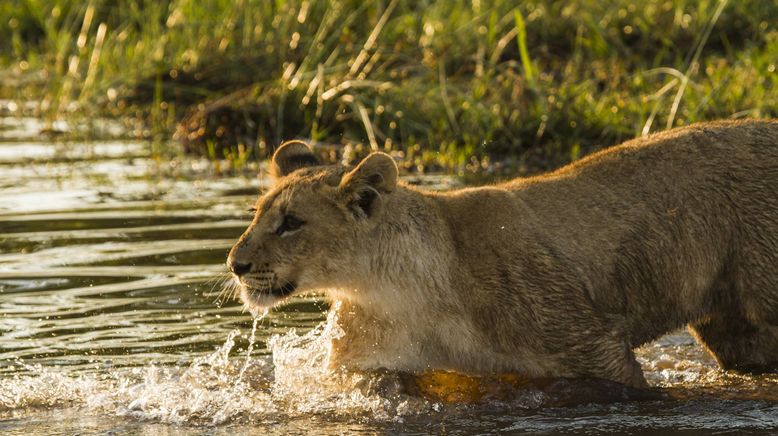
459 85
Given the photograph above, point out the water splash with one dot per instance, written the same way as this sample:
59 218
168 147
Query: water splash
252 341
293 382
43 388
305 385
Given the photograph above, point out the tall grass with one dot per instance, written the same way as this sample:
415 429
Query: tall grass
449 84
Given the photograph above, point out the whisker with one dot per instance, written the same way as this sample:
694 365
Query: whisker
228 289
215 282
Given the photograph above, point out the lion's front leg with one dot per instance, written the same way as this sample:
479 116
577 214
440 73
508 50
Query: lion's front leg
605 355
360 344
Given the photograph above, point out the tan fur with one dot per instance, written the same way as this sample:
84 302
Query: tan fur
558 275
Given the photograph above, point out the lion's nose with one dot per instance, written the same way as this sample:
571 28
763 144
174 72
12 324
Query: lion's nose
238 268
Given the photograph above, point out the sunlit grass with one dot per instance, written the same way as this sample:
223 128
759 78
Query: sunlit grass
448 84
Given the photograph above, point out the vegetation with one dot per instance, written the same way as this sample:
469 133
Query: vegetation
458 84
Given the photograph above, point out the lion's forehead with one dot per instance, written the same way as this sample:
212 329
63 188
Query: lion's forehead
329 174
305 182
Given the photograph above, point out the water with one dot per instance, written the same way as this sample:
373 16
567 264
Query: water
110 269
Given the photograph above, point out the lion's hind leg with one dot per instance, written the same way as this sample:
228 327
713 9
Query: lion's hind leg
739 344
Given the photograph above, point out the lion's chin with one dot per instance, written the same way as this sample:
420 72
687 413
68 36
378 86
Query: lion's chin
260 300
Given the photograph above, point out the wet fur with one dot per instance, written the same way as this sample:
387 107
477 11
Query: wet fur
560 275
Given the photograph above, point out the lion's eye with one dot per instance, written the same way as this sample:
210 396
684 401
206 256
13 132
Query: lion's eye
290 223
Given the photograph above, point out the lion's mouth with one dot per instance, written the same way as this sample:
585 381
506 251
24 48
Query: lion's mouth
265 294
283 290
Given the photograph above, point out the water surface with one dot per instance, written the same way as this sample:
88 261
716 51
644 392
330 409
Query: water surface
110 266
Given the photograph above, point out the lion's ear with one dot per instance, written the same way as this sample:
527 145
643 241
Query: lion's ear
290 156
375 176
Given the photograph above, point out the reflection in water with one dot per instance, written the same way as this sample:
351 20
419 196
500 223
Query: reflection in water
109 275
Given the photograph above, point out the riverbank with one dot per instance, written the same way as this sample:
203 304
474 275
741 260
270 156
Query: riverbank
458 86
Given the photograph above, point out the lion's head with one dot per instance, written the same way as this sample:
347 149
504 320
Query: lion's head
310 231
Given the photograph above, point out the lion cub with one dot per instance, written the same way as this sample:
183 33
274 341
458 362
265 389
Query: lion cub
560 275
